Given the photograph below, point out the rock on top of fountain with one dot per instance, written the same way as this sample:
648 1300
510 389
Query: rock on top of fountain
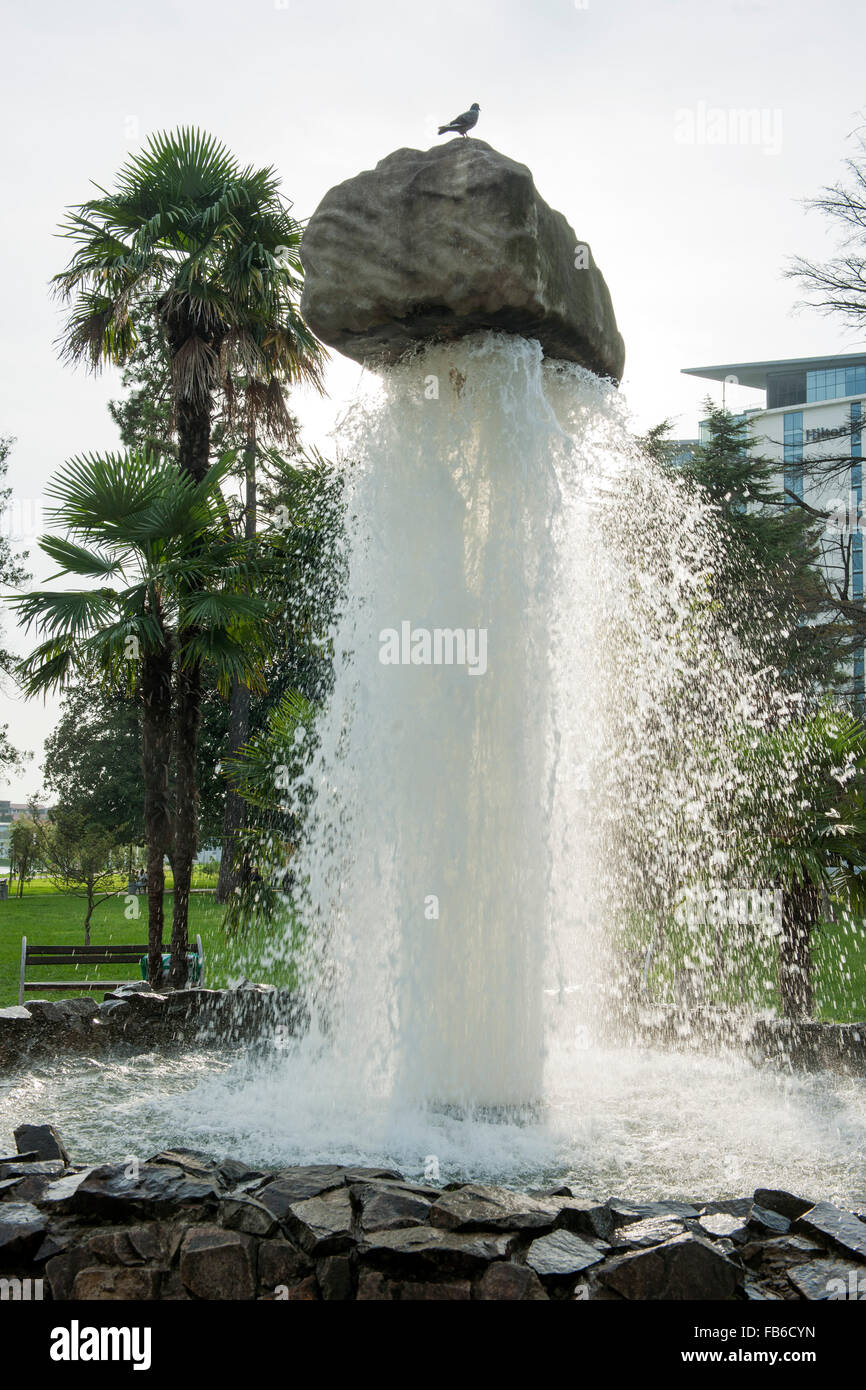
435 244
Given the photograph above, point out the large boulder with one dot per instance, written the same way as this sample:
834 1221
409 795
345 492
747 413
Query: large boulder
435 244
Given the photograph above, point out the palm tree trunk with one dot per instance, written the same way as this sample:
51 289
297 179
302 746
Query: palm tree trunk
234 872
193 439
800 907
187 720
155 755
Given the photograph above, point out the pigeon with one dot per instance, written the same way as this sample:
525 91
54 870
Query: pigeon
463 124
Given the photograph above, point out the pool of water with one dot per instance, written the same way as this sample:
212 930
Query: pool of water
642 1124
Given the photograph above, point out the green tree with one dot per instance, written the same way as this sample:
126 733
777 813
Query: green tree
93 758
23 850
176 594
211 249
82 857
766 571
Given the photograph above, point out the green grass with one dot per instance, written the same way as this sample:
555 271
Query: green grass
838 966
52 918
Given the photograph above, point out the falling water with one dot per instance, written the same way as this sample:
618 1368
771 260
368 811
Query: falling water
496 850
471 847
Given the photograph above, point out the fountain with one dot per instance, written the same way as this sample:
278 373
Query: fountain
526 755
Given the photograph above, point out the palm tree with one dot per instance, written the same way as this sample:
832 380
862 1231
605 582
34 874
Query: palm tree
181 596
210 251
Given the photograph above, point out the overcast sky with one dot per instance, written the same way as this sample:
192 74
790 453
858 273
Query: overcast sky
612 104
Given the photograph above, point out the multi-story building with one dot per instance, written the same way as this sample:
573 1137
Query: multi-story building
9 812
810 422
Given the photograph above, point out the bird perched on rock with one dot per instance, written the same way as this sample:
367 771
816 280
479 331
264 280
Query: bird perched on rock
463 124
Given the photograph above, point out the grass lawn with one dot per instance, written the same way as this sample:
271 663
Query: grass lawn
51 918
838 973
47 917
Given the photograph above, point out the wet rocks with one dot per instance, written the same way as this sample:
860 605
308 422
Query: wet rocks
783 1203
189 1225
116 1191
22 1227
841 1229
42 1140
561 1255
687 1267
217 1264
134 1017
427 1252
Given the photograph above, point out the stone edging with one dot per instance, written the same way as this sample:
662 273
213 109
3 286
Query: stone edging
189 1226
134 1016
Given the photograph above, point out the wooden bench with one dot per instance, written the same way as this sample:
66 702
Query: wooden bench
88 956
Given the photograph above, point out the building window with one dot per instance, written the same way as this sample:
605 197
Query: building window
793 453
857 536
837 381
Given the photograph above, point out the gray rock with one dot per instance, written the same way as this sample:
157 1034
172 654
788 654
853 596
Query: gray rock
561 1254
730 1206
159 1190
121 1285
22 1227
79 1007
233 1171
637 1235
217 1264
440 243
623 1211
834 1280
767 1222
192 1161
756 1292
423 1252
130 987
504 1281
784 1203
781 1251
41 1139
281 1264
687 1267
311 1180
50 1168
385 1206
335 1275
248 1215
372 1285
46 1010
841 1228
476 1208
16 1013
322 1225
587 1218
723 1225
58 1195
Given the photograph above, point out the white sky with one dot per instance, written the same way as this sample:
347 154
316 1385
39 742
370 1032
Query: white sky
692 238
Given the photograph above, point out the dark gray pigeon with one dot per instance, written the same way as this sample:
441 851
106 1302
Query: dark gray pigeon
463 124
